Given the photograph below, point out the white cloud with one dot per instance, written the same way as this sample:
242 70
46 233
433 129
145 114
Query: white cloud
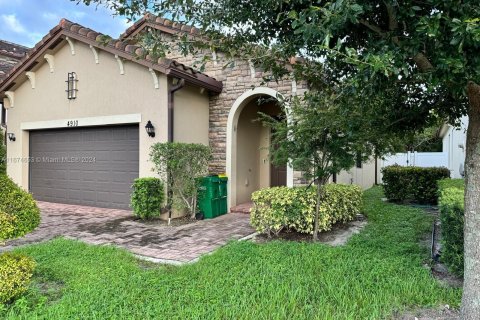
51 16
10 21
79 14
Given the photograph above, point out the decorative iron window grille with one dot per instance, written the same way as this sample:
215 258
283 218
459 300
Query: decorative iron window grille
72 86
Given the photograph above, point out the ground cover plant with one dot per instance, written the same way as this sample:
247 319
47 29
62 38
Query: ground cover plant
451 183
380 271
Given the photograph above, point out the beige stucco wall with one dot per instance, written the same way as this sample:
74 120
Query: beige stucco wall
191 115
102 91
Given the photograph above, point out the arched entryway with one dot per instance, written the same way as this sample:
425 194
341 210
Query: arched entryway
248 164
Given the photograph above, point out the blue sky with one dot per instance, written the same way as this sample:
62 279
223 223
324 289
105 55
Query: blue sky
26 21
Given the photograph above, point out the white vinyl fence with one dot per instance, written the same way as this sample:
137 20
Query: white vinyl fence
418 159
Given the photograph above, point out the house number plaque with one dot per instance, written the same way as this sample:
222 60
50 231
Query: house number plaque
72 123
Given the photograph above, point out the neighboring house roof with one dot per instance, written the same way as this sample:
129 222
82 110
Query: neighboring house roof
12 50
158 23
118 47
5 68
10 53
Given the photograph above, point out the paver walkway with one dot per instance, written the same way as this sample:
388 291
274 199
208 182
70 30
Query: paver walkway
109 226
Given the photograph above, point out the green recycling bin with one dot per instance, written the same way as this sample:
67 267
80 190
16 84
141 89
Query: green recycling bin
223 207
212 196
223 186
208 196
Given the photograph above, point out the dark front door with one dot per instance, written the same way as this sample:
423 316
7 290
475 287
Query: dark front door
92 166
278 176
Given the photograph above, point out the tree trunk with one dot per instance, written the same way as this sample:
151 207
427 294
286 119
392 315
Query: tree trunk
317 210
320 184
471 285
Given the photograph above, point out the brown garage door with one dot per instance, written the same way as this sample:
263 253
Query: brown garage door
93 166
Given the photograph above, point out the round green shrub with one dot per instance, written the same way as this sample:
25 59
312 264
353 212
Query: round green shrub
16 270
18 209
147 197
7 226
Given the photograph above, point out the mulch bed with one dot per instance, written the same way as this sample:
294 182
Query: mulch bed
324 236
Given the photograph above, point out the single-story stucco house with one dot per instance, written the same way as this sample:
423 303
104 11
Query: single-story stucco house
76 111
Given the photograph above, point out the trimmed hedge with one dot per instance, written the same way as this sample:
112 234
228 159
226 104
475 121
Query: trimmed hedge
451 203
278 208
19 213
413 183
147 198
16 270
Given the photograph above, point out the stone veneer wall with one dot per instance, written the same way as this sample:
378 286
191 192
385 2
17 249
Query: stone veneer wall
237 79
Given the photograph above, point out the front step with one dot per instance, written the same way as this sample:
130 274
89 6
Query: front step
242 208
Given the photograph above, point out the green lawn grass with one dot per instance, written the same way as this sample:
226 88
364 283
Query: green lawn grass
380 271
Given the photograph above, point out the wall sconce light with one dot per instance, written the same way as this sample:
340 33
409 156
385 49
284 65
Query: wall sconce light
11 137
150 129
72 86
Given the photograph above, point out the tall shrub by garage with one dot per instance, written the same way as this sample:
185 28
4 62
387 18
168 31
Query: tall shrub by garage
147 197
180 165
451 204
413 183
279 208
19 215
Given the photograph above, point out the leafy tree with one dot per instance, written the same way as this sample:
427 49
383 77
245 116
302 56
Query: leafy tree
427 140
320 137
419 59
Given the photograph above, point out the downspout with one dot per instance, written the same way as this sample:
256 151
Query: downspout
171 103
376 170
3 123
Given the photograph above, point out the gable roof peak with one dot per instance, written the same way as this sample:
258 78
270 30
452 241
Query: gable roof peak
128 51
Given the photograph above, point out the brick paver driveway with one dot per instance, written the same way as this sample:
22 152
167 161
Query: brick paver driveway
108 226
